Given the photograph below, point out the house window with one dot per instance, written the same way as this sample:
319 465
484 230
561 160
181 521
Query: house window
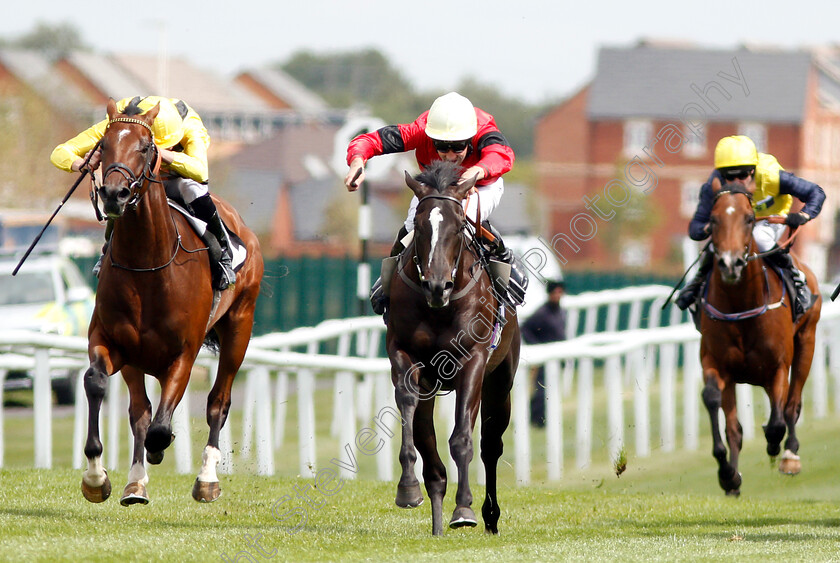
637 135
757 132
689 196
695 143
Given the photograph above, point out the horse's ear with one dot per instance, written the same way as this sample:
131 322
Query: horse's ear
152 114
715 185
463 187
111 109
418 188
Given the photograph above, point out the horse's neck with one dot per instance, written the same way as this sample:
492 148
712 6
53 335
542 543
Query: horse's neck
148 227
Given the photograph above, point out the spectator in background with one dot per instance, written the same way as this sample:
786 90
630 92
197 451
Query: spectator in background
547 324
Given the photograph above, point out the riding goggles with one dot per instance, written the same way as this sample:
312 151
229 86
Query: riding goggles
454 146
737 173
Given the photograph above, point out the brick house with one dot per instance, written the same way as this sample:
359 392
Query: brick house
621 161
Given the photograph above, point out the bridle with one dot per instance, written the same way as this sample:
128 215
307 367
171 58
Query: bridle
151 167
465 223
139 186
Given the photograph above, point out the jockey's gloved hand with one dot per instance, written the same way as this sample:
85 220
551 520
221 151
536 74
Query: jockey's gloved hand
797 219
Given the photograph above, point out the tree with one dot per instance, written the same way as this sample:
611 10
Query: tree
51 40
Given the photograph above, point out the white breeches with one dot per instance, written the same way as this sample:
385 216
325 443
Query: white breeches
186 189
488 199
767 234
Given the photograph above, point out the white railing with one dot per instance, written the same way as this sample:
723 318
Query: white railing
636 360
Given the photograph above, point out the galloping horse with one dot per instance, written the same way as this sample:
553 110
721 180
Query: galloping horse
748 336
443 335
154 308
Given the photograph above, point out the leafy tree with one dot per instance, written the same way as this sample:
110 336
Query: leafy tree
51 40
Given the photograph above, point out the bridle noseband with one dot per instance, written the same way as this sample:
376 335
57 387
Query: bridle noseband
150 167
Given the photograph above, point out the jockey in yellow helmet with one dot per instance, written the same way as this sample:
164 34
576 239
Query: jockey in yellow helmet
773 188
182 139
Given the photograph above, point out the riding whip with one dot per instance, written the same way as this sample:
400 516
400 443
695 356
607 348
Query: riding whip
682 279
84 171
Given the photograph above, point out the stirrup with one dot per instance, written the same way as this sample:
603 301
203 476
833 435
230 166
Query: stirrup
378 300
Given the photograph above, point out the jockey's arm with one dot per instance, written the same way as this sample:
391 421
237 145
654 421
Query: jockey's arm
698 228
70 155
809 193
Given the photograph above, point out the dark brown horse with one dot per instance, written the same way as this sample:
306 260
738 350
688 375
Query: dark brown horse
154 308
748 336
443 335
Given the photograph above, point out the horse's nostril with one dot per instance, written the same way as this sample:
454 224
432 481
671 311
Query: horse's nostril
124 193
448 286
426 285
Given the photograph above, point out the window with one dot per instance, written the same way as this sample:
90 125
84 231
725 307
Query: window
689 196
755 131
695 143
637 135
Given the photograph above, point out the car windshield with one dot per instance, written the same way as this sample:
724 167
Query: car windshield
26 288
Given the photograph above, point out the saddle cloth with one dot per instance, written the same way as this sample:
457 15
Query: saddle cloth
237 245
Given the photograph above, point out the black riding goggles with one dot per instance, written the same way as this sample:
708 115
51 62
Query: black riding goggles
737 173
454 146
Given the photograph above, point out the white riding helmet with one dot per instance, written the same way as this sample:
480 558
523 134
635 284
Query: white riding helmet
451 118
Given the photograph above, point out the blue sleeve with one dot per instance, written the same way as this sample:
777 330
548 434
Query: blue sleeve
696 229
807 192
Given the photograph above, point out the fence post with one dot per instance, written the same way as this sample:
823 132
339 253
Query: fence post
583 443
521 420
42 392
615 407
553 421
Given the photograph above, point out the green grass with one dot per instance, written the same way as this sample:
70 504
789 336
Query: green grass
667 507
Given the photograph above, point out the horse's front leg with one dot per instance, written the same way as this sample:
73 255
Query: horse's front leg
173 384
140 415
774 430
96 487
434 471
467 401
731 482
406 378
728 477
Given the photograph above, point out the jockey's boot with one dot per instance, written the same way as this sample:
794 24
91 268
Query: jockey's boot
379 295
205 209
109 228
517 280
688 294
804 298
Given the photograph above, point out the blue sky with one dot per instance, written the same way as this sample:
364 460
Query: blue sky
534 50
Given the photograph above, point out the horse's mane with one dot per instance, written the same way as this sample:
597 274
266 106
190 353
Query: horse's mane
440 174
734 188
133 107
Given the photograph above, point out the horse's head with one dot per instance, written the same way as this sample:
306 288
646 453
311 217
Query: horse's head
438 224
128 157
732 221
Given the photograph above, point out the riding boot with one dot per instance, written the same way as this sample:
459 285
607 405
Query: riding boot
109 228
379 296
517 282
804 298
205 209
689 293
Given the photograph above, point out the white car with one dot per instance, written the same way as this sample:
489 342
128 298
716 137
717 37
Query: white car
50 295
540 264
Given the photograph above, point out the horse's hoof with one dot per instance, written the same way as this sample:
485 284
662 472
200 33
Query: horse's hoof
134 493
733 493
463 516
204 491
155 458
97 494
790 464
409 497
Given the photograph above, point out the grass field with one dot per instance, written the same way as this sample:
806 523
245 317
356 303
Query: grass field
667 507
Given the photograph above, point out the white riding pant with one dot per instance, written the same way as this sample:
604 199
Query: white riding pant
185 189
488 199
767 234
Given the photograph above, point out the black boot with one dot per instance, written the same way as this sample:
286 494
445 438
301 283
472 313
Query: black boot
689 293
378 299
205 209
518 280
803 299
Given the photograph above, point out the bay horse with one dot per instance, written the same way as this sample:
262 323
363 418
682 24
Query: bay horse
748 336
444 333
154 308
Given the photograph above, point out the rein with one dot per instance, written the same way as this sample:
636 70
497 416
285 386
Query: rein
473 279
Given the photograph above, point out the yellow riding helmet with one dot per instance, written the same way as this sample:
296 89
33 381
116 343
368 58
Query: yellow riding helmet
451 118
168 127
737 150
